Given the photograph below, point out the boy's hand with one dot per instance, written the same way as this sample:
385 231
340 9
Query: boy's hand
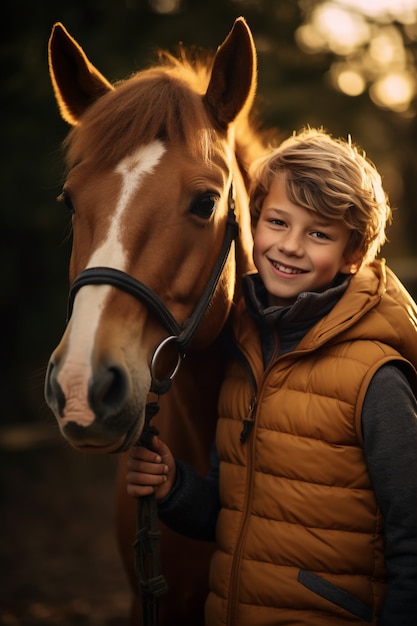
150 471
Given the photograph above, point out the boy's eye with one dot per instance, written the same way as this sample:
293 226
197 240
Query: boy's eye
276 222
320 235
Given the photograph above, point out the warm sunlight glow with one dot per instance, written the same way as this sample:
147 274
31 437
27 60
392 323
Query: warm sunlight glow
401 10
165 6
351 83
394 91
387 48
308 39
336 29
368 43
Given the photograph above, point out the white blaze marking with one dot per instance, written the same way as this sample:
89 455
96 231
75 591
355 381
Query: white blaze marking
132 169
89 304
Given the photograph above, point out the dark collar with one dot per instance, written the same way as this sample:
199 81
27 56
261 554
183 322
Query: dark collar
283 327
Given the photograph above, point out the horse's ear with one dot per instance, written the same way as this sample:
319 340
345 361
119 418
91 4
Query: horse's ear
76 82
232 85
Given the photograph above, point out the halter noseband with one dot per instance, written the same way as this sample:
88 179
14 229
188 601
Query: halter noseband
181 335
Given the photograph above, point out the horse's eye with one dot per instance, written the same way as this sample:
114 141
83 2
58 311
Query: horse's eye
204 206
66 198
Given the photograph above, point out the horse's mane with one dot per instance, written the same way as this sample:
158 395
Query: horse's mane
163 101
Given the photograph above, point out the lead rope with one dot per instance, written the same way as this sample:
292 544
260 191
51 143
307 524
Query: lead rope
152 584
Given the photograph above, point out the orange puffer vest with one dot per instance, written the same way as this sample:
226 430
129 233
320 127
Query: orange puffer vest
300 533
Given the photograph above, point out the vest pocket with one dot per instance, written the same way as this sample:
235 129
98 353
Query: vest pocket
336 595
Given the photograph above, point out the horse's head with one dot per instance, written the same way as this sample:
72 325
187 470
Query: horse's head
151 163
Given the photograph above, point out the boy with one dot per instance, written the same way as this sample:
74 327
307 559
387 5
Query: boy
312 496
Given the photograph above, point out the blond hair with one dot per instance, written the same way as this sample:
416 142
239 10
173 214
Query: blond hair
332 178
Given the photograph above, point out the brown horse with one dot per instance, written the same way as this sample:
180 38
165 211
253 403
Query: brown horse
152 162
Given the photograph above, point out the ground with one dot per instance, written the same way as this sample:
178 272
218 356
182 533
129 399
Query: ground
58 554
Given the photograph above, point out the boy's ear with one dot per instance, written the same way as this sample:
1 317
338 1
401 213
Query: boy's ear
353 264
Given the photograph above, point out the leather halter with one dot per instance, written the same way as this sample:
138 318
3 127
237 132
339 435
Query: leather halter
180 335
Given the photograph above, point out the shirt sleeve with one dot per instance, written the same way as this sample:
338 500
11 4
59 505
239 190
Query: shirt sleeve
389 424
192 506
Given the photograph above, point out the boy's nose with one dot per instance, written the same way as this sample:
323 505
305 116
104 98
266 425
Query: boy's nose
291 244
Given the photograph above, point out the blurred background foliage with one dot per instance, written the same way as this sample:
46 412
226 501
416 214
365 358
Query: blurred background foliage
346 65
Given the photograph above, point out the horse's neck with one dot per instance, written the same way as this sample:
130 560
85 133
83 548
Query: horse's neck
244 243
248 146
188 412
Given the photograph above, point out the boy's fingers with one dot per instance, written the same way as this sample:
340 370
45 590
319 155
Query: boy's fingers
145 480
147 468
141 453
140 491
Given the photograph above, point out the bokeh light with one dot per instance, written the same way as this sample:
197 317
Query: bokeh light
393 91
366 33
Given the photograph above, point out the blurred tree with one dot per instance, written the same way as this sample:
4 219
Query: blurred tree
297 86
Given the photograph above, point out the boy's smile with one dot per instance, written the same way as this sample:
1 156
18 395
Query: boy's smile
297 250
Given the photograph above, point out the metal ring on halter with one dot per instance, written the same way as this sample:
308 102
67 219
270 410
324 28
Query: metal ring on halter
155 356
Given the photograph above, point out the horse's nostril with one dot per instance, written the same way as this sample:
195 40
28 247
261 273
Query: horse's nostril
54 395
117 389
109 391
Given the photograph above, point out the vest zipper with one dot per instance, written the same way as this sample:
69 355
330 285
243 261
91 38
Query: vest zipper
246 430
249 419
249 422
231 619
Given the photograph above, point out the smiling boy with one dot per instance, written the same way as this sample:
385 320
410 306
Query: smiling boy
295 250
313 488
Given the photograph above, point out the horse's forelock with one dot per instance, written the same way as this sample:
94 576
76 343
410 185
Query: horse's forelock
163 102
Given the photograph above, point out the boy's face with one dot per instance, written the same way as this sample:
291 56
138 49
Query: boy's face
296 250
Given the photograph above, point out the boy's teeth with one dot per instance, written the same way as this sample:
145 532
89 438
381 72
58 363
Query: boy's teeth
285 269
